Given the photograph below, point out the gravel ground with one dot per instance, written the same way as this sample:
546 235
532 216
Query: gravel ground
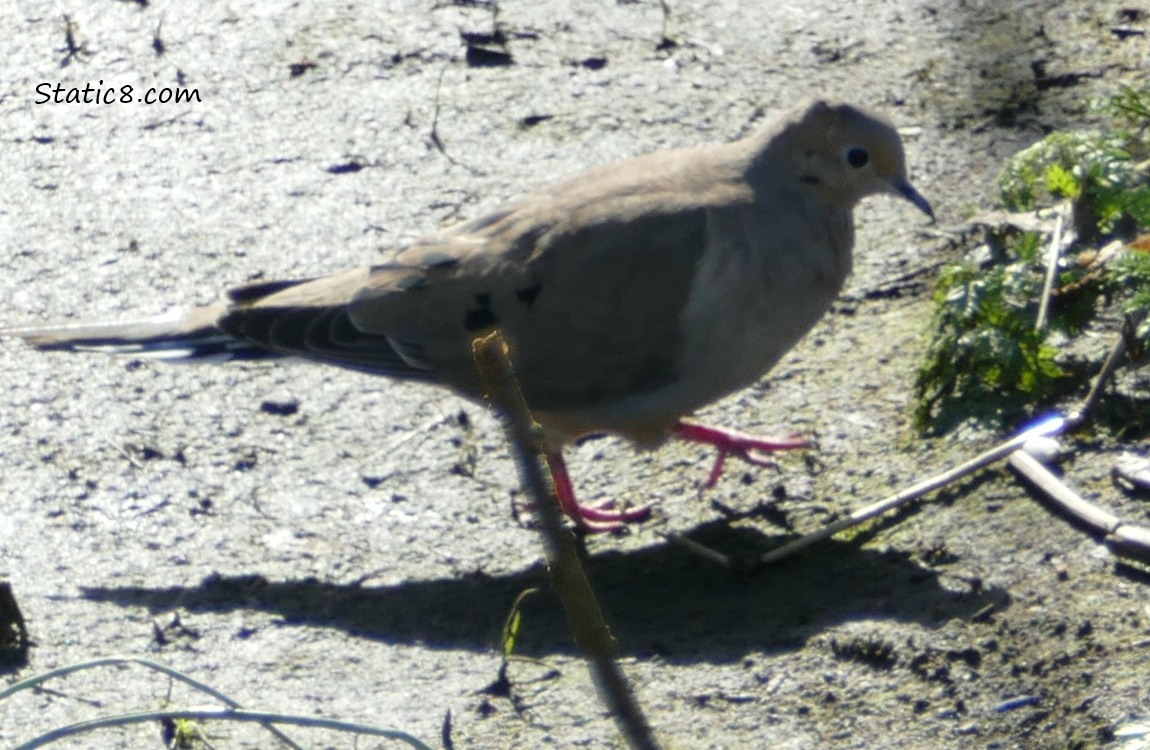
315 541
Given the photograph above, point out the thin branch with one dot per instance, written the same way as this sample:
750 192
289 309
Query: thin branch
36 680
1127 537
1047 427
434 134
1130 537
265 718
175 674
1102 379
1052 256
574 590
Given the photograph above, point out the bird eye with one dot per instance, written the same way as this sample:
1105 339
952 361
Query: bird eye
856 156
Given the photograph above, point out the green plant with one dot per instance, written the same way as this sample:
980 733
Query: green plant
987 361
1131 279
1091 166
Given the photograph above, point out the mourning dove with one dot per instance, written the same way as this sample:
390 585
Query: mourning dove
630 295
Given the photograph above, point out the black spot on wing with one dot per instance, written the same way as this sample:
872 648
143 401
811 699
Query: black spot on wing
438 259
480 317
411 282
252 292
527 296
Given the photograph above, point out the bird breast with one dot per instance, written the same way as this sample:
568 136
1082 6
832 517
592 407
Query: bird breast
751 302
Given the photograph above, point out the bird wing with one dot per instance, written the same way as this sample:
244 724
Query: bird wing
587 280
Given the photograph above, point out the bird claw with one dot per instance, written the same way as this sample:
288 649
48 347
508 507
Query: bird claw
599 518
757 457
603 517
595 519
750 448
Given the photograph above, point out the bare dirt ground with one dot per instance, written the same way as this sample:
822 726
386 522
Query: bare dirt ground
342 546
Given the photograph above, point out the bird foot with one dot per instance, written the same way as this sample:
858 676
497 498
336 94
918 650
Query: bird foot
750 448
599 518
605 518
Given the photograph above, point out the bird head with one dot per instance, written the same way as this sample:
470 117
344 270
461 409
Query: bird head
847 153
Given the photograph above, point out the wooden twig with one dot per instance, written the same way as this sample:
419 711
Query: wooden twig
1102 379
1047 427
702 550
574 590
1126 537
1052 256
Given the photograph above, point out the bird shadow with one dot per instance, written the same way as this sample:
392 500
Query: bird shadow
663 601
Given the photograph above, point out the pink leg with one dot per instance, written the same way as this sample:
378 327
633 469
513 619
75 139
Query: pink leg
732 443
594 519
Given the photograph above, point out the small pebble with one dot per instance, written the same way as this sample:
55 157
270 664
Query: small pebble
1131 472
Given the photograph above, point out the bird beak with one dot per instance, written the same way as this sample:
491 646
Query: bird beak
906 190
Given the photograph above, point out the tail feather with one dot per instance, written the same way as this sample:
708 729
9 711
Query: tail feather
267 320
177 336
